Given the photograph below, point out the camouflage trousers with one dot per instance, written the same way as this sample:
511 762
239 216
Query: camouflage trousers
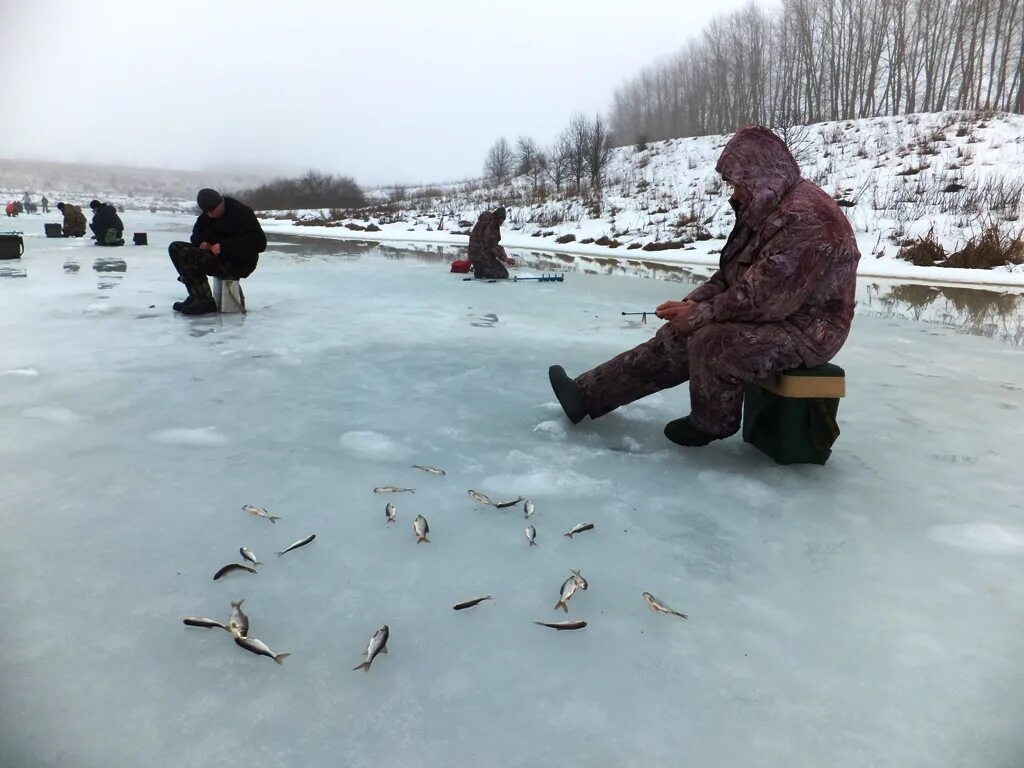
488 266
717 360
194 265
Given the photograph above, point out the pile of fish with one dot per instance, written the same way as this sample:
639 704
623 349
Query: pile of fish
238 623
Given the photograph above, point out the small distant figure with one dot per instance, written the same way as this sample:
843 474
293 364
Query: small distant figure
226 242
485 252
26 202
46 204
13 208
106 224
74 220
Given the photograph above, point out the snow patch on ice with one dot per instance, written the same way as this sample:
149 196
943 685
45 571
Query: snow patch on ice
552 482
631 445
980 537
373 446
20 372
551 427
55 413
202 436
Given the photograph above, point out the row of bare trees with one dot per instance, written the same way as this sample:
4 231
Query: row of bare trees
578 156
822 60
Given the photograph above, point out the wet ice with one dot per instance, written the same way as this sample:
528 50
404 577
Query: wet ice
865 613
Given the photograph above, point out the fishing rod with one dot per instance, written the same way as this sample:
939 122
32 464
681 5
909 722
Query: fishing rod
643 315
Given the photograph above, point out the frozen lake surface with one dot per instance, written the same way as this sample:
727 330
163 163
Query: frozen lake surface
868 613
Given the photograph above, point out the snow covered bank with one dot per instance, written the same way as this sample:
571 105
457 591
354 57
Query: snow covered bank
701 254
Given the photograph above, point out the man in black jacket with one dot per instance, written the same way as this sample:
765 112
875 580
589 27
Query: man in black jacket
227 240
106 224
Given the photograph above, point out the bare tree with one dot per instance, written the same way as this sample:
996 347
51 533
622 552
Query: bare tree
557 162
526 155
498 165
574 143
598 151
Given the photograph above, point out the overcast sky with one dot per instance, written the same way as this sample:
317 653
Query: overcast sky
385 91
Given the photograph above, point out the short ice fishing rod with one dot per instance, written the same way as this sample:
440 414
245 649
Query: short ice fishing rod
643 315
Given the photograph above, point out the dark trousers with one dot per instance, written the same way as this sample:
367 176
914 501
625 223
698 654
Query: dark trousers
717 360
195 265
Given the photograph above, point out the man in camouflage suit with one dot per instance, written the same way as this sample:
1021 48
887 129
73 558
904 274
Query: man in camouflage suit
485 252
783 297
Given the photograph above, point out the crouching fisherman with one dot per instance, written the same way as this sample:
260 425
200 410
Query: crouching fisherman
74 220
227 240
486 254
106 224
783 297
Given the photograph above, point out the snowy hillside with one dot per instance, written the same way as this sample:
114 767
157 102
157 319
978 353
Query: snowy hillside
896 177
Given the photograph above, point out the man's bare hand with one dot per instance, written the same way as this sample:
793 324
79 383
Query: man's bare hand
680 320
204 246
670 309
215 248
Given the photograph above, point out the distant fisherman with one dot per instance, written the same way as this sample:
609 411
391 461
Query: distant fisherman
485 252
226 242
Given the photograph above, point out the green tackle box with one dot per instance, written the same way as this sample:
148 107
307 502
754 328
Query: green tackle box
791 415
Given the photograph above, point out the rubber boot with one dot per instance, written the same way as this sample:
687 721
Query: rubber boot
568 394
684 432
179 306
202 299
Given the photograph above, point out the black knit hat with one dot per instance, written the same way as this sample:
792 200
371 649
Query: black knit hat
95 204
60 206
208 199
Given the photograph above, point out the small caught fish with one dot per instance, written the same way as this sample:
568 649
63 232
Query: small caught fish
560 625
378 644
421 529
392 489
580 528
531 536
297 544
481 497
391 512
660 607
507 504
197 621
470 603
252 645
584 584
527 510
430 470
231 568
259 512
569 587
238 622
248 555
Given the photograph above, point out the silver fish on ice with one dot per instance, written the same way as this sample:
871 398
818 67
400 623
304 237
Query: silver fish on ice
527 510
378 644
248 554
430 470
507 504
238 622
260 512
531 536
199 621
392 489
421 529
390 512
584 584
297 544
579 528
470 603
483 498
562 625
660 607
569 587
252 645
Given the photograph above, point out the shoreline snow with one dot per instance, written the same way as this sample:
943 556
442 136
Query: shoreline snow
883 268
